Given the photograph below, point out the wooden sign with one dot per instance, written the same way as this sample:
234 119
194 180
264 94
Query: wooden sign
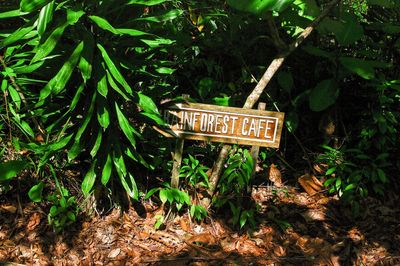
224 124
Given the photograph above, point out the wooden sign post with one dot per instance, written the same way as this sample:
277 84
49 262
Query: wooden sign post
224 124
220 124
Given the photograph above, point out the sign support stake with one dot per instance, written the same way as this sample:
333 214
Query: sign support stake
177 156
256 149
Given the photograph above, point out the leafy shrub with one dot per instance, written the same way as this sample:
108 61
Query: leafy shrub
69 80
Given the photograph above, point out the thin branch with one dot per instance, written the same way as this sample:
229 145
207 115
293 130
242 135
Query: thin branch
259 89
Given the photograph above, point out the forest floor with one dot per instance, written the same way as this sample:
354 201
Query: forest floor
293 228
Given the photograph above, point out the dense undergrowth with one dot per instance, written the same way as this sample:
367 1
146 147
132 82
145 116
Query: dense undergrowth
82 84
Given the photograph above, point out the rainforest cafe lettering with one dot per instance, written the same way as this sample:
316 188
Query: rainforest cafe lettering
227 124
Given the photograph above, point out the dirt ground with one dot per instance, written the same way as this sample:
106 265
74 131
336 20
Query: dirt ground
292 228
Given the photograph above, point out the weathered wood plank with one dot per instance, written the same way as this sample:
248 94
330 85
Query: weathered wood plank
224 124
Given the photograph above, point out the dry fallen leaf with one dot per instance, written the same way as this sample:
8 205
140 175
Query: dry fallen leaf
114 253
274 175
34 221
203 238
310 184
314 215
9 208
184 224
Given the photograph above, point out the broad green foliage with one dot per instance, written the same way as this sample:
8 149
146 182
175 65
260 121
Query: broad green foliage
70 60
87 76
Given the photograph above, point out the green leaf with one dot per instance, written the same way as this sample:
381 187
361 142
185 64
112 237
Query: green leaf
383 3
35 193
105 25
10 169
11 14
63 202
259 6
292 121
53 211
107 170
85 62
155 117
102 113
27 128
114 71
363 68
330 171
77 147
165 70
329 182
164 195
71 216
32 5
350 187
157 42
169 15
221 101
102 81
119 162
18 34
205 86
147 104
381 175
285 80
243 218
323 95
50 43
89 179
58 82
45 17
147 2
125 126
151 192
97 144
116 87
347 31
15 96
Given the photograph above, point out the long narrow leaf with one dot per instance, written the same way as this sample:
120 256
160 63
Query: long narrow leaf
114 70
89 180
12 14
125 126
97 144
76 147
102 113
147 2
48 46
107 169
19 34
57 83
45 17
32 5
85 63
